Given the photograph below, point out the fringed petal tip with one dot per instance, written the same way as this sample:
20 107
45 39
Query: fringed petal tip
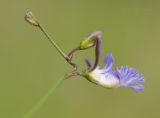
131 78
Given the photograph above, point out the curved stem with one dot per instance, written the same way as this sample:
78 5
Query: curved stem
42 101
73 51
70 56
97 53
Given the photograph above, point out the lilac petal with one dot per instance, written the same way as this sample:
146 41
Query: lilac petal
109 61
137 88
130 77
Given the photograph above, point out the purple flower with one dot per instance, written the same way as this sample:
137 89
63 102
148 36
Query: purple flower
121 77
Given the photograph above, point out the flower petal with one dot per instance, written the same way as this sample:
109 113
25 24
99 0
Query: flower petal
137 88
109 61
107 80
130 77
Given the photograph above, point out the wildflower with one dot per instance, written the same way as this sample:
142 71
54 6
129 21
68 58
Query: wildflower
121 77
106 77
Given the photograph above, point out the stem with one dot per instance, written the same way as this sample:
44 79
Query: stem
97 54
73 51
30 18
52 41
66 57
42 101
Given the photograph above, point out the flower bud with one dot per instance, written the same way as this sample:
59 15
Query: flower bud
29 17
90 40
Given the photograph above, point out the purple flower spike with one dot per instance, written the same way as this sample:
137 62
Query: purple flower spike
122 77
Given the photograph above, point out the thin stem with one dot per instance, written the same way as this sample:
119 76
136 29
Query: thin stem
30 18
73 51
42 101
70 56
52 41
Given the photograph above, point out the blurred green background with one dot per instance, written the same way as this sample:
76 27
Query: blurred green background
29 65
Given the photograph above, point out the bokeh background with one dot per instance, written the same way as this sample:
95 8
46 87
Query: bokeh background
29 65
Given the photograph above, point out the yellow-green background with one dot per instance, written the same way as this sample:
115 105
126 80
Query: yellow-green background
29 65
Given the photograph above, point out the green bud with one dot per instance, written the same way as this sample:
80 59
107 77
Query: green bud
90 40
29 17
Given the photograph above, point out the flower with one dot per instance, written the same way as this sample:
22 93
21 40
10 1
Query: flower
121 77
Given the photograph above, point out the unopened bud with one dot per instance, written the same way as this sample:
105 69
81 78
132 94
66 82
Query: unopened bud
90 40
29 17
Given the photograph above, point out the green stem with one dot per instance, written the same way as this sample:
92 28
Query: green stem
52 41
41 102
